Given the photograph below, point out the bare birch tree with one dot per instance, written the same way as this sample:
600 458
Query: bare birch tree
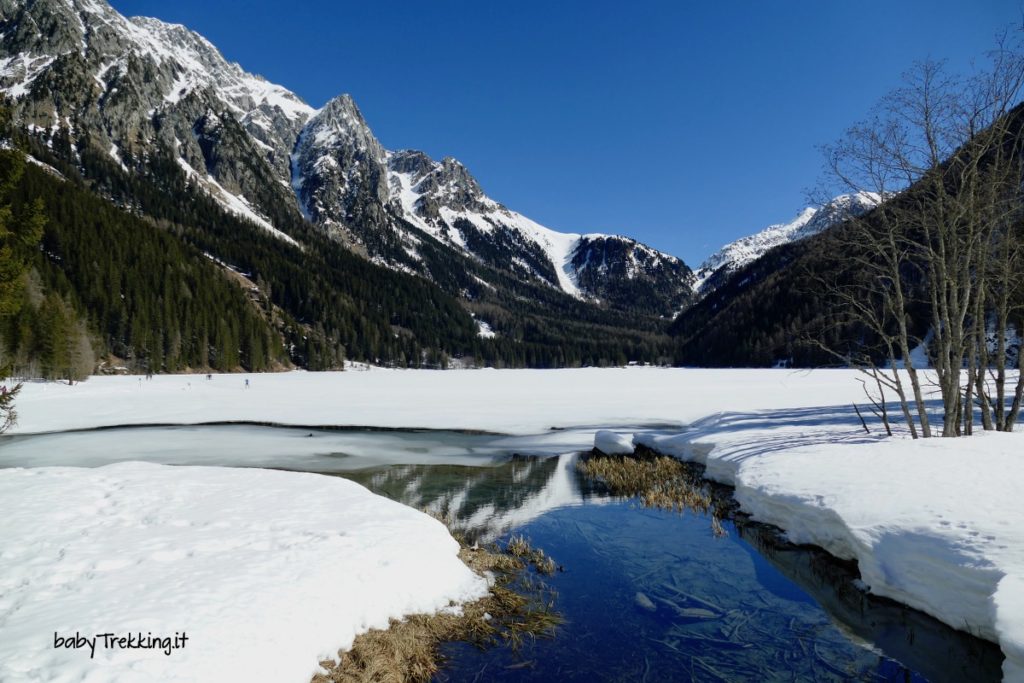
942 251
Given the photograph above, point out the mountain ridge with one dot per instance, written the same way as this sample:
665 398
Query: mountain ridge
809 221
133 84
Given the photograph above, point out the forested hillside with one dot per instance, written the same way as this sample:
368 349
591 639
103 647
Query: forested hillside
150 270
104 282
770 311
831 297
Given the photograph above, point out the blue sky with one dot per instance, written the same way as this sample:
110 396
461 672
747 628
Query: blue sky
685 125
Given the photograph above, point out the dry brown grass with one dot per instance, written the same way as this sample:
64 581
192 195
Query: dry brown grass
657 480
520 548
518 607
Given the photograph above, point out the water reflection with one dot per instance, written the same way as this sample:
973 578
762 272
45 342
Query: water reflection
924 644
485 502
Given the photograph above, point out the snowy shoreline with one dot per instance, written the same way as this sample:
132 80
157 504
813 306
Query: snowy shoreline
935 524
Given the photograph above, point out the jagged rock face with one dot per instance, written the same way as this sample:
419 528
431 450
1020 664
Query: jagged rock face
137 87
339 172
810 221
450 185
421 188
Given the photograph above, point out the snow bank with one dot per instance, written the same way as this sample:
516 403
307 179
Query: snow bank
613 443
936 524
266 572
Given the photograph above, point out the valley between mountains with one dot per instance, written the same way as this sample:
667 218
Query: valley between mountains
283 197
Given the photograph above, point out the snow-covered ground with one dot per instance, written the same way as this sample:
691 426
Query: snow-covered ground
938 525
265 572
507 401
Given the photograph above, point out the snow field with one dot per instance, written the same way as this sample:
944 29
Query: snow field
266 572
506 401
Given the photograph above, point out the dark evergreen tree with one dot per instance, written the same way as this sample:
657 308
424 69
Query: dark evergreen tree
20 231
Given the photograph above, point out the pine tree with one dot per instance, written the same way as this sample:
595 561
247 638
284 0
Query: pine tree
20 233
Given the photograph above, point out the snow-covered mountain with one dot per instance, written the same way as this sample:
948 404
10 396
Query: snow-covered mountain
385 201
810 221
445 201
137 88
143 90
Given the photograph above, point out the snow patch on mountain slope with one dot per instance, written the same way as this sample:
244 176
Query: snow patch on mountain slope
810 221
484 330
23 69
233 203
748 249
486 215
558 246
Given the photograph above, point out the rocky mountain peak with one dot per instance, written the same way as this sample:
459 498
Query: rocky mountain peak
411 162
451 185
339 169
452 172
339 123
423 187
342 113
836 211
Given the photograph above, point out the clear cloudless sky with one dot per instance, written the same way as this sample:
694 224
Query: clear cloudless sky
682 124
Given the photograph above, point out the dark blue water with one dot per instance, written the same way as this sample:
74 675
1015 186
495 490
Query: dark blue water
650 595
655 596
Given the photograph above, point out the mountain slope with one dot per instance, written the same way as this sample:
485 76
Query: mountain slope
444 200
141 88
148 300
793 305
327 303
810 221
78 69
383 202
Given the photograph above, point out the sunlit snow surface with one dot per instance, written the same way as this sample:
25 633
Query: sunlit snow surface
267 572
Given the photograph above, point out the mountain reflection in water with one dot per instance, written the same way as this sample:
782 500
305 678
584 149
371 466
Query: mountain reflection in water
652 595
